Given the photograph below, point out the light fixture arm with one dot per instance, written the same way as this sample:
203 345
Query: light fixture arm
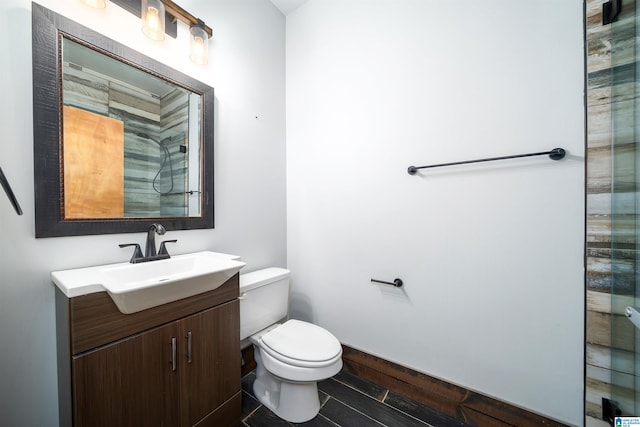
185 17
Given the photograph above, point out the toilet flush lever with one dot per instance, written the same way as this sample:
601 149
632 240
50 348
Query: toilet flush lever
243 296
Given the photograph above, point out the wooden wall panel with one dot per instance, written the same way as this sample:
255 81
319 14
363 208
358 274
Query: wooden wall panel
473 408
93 150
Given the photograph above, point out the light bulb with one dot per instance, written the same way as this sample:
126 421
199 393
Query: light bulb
153 19
198 49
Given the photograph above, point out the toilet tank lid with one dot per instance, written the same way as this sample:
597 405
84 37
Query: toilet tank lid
259 278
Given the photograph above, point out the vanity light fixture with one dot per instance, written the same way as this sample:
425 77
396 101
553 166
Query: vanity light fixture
153 19
159 17
96 4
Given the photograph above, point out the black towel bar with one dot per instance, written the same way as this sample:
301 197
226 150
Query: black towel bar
555 154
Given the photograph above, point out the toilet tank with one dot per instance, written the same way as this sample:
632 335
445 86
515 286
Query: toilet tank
264 299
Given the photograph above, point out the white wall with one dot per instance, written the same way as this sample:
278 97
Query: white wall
492 254
247 71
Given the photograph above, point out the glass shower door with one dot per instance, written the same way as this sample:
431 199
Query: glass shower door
625 206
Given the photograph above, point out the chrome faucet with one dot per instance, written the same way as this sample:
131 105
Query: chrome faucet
150 249
150 253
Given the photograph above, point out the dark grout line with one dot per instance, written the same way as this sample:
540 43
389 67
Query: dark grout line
392 408
356 410
377 400
252 412
328 419
355 389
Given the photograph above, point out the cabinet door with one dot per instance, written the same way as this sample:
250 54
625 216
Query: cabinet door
211 372
128 383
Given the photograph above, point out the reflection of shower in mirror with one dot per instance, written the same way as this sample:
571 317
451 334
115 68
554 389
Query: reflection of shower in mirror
157 174
166 159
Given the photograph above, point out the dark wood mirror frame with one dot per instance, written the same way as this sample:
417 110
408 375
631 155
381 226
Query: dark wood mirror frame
47 104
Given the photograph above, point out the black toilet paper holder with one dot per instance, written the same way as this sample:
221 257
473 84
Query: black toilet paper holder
396 282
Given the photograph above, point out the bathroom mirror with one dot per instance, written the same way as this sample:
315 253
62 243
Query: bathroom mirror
120 140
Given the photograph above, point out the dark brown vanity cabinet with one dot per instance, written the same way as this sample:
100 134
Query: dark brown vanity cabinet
126 383
172 365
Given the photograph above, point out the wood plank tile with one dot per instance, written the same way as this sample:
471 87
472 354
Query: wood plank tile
495 413
599 168
593 18
598 301
370 389
343 415
599 130
318 421
367 405
599 328
263 417
598 96
479 419
599 283
599 356
602 302
598 229
249 404
595 422
624 395
422 412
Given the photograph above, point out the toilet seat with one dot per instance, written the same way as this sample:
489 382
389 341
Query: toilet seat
302 344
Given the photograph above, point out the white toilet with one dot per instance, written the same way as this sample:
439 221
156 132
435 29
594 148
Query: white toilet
291 356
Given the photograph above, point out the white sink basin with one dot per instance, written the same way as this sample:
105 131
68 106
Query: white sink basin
136 287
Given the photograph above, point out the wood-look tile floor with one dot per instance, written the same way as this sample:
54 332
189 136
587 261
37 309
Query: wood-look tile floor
349 401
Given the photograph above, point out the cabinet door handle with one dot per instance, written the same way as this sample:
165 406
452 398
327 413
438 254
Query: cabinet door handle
188 347
174 349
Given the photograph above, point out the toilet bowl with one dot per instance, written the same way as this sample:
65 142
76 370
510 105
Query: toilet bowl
290 356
